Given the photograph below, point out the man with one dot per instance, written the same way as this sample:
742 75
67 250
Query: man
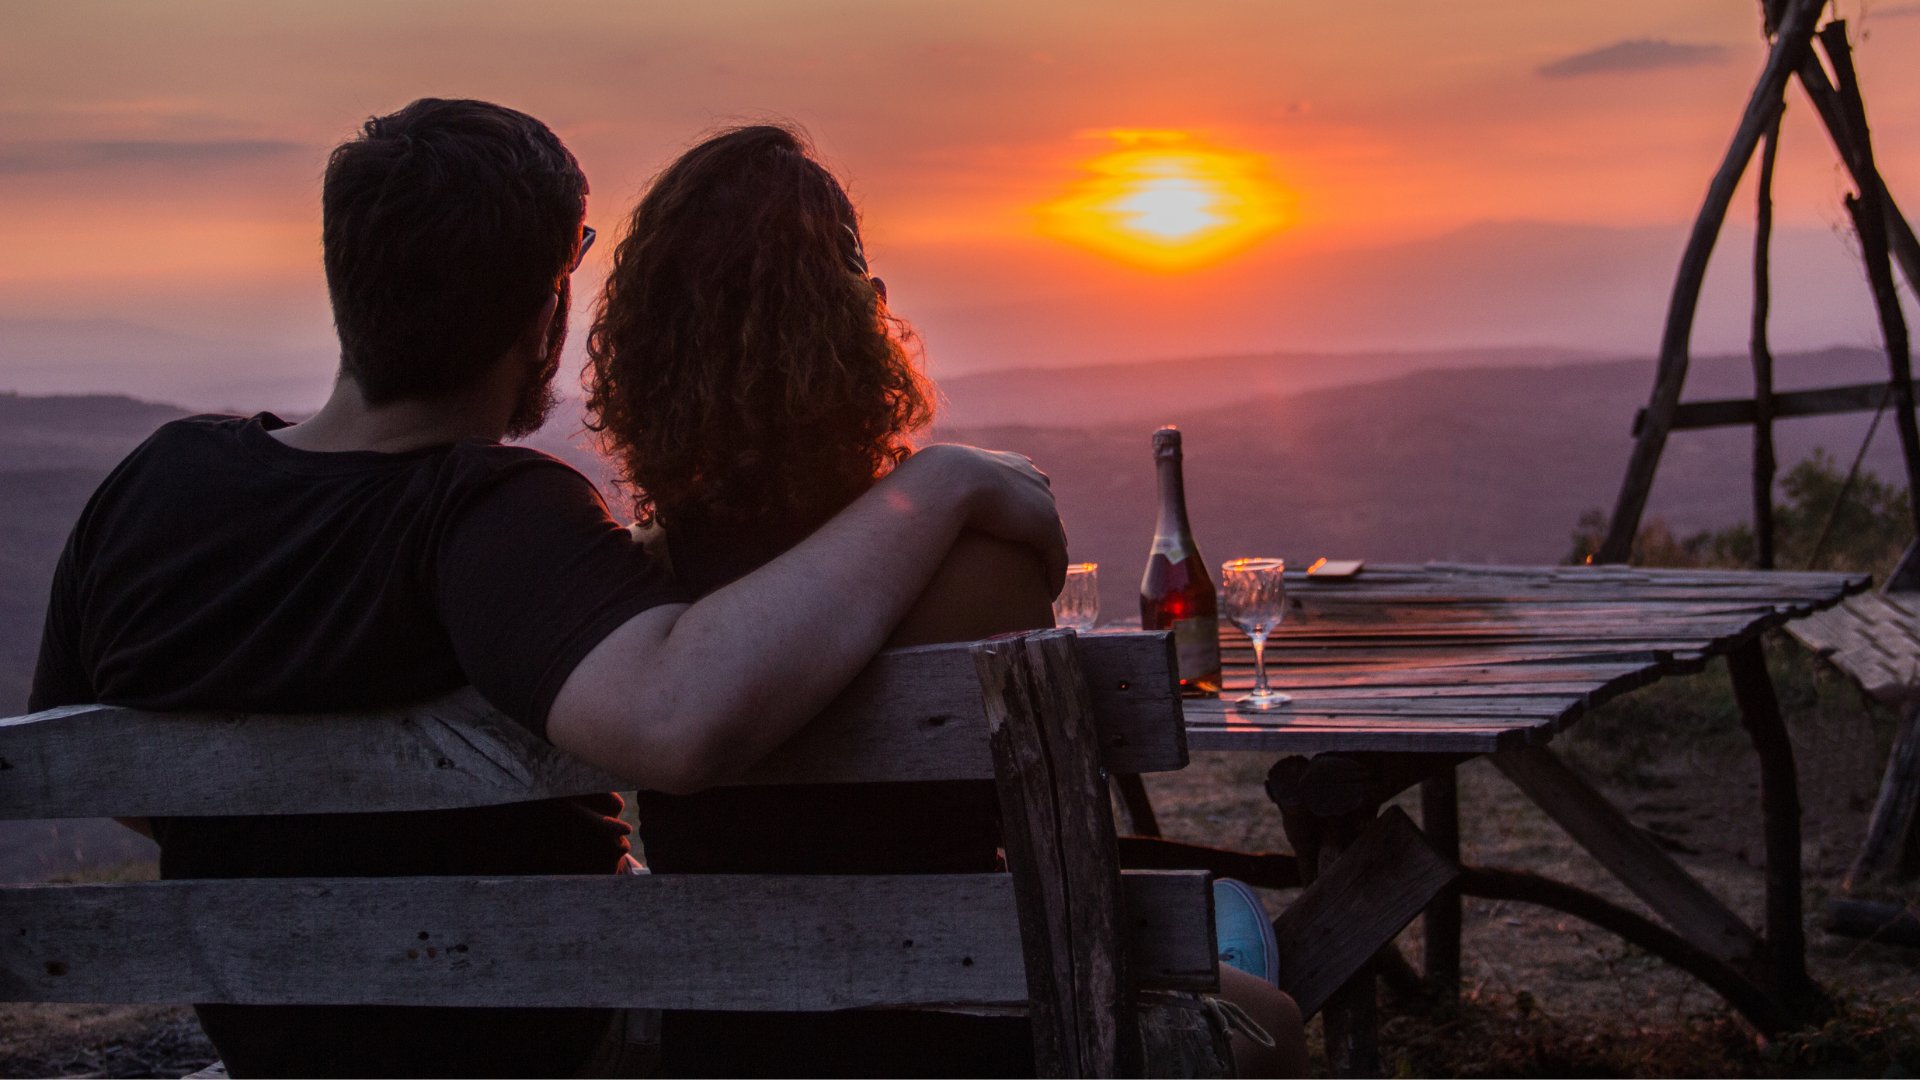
390 549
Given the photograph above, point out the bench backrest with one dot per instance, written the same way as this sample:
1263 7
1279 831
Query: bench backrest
1045 715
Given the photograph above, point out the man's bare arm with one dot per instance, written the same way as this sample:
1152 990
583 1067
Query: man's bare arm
682 697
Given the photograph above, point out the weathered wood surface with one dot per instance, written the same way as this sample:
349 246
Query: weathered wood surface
1261 869
1448 658
1632 856
1874 638
915 714
665 941
1057 831
1355 906
1739 412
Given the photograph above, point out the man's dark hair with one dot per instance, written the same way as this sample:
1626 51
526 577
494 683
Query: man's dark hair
446 226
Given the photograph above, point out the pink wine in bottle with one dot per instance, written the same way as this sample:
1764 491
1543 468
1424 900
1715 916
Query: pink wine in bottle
1176 593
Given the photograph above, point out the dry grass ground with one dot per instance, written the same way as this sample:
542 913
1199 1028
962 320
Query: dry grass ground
1544 994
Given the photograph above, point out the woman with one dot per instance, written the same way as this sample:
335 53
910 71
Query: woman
750 382
748 378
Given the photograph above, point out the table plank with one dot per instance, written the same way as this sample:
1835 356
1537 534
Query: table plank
1451 658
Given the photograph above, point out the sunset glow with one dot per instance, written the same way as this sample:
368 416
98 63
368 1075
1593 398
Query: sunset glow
1165 201
1041 184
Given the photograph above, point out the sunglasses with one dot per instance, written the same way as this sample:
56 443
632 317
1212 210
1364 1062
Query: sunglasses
586 241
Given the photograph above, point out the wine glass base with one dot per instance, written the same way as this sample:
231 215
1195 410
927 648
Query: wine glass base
1259 702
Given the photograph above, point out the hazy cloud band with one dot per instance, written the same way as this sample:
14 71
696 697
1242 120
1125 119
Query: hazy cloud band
1638 54
70 155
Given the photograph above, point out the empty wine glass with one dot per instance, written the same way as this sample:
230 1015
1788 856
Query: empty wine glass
1253 593
1078 605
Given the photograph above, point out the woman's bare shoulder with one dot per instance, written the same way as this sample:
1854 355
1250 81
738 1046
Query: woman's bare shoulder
986 586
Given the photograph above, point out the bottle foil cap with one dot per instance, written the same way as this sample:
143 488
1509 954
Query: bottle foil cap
1166 442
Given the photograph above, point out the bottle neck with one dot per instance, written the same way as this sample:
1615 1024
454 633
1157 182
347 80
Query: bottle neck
1172 536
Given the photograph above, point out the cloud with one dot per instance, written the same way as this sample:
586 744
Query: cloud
70 155
1638 54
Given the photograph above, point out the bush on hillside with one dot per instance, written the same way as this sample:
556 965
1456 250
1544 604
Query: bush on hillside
1870 527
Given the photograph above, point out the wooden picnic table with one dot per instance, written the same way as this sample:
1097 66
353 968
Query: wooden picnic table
1403 672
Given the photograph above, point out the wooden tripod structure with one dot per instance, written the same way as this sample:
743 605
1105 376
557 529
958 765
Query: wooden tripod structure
1885 239
1892 849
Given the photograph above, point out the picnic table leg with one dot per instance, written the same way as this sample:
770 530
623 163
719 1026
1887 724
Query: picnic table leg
1327 804
1133 796
1440 820
1780 808
1350 1018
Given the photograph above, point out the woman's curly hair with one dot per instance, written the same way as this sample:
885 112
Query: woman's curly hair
742 365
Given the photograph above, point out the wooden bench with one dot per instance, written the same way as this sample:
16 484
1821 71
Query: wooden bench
1874 639
1065 933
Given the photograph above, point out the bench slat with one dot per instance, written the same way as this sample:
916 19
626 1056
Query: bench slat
663 941
915 714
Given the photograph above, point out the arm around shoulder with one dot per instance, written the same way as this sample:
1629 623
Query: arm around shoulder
682 697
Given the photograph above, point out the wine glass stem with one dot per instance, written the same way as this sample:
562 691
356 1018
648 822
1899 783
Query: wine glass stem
1259 664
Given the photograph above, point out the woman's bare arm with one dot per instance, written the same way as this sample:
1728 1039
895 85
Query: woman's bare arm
986 586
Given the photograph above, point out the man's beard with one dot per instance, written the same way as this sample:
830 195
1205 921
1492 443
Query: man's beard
537 398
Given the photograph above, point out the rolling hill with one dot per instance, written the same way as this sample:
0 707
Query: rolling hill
1493 462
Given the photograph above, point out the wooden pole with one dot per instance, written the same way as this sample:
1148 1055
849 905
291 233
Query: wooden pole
1351 1019
1133 797
1877 920
1870 222
1440 820
1763 106
1891 835
1762 354
1901 241
1780 813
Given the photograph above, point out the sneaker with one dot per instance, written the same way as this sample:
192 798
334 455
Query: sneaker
1242 932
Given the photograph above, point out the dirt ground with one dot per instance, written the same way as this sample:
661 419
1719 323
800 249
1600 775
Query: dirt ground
1543 994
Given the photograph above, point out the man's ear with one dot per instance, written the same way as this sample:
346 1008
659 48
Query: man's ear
532 341
544 324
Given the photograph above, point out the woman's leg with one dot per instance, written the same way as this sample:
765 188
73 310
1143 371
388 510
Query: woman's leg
1274 1011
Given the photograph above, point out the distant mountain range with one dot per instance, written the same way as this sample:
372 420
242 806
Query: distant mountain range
1491 464
1130 391
1377 457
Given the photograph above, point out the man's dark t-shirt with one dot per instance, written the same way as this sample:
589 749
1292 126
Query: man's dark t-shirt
218 569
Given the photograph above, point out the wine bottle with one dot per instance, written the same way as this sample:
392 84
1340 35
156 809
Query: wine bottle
1176 593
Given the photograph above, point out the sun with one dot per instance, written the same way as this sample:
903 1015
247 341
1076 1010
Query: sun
1161 199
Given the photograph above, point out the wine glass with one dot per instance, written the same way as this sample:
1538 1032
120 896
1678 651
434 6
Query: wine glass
1078 604
1253 593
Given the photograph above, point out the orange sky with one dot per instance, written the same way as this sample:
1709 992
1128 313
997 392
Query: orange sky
1478 171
